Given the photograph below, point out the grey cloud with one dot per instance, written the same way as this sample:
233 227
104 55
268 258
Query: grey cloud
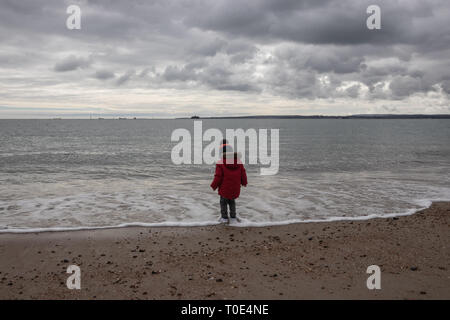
446 86
144 72
71 63
208 48
125 77
103 74
403 86
236 87
321 22
323 61
212 76
174 73
239 46
241 57
294 84
219 78
353 91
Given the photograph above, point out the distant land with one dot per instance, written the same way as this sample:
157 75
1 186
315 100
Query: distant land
194 117
355 116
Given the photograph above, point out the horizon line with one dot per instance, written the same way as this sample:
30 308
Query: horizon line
279 116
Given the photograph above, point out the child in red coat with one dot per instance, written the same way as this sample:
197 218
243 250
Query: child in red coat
230 175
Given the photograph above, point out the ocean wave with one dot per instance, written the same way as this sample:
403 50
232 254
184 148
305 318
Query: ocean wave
244 223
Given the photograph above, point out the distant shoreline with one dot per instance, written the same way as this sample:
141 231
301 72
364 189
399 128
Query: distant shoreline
355 116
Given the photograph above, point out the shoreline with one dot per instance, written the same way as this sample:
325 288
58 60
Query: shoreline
212 223
313 260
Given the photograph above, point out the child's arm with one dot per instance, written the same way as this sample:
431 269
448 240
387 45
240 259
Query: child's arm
218 177
243 177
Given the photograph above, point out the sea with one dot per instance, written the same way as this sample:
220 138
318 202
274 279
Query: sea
79 174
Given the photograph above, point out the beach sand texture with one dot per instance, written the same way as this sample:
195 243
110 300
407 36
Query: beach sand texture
298 261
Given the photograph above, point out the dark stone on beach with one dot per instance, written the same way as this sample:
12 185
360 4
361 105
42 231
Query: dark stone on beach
310 238
219 280
423 292
413 268
141 250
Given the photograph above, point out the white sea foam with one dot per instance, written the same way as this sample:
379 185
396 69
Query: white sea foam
245 222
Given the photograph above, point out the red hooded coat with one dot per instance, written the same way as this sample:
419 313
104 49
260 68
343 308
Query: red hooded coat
230 174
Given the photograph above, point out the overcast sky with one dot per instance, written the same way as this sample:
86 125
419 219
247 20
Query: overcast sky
164 58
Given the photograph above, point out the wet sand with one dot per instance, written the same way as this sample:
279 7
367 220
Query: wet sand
300 261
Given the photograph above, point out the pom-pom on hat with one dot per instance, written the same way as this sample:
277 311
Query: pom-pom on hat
226 150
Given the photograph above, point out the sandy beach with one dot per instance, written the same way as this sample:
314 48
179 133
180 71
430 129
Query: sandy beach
300 261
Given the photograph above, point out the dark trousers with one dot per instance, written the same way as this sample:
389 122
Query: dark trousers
223 207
